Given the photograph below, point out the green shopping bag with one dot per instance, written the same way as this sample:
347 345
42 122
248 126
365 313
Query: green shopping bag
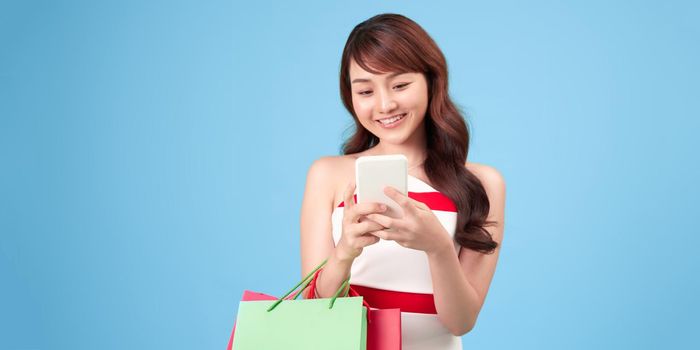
308 324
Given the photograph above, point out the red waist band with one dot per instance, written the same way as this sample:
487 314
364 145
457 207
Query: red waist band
388 299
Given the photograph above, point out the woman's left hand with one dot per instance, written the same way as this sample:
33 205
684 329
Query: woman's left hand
419 228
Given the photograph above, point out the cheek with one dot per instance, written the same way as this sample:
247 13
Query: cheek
363 108
416 98
417 101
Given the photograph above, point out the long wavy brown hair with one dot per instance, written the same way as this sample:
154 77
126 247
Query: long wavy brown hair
393 43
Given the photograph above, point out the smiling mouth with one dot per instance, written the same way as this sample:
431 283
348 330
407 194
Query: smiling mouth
392 120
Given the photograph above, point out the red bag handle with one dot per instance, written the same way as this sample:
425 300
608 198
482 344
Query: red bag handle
311 292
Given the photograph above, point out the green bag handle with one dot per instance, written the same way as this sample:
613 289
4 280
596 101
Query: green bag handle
305 283
345 285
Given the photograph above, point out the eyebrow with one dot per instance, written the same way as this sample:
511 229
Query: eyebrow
361 80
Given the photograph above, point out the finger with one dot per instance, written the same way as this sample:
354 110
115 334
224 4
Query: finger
418 204
367 240
398 197
369 208
383 220
349 199
385 235
363 218
349 204
366 227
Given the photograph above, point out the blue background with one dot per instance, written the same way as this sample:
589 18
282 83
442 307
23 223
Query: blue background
154 156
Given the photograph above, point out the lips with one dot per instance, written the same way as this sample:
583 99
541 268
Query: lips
395 121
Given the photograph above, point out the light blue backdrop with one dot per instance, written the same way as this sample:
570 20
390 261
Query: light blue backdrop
154 155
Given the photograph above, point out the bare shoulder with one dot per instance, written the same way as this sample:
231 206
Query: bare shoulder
328 167
322 172
323 167
333 174
489 176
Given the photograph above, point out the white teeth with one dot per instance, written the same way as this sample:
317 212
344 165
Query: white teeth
391 120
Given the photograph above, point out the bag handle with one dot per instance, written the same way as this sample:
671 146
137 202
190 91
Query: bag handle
351 292
311 293
304 283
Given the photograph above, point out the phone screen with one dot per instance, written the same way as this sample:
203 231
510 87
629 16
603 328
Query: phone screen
373 173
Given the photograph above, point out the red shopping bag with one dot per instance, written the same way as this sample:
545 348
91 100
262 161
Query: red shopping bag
384 329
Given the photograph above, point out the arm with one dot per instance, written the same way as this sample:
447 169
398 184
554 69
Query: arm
316 228
316 239
460 283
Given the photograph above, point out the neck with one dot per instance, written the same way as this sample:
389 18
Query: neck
414 149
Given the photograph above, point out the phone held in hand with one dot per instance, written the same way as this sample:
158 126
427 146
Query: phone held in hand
373 173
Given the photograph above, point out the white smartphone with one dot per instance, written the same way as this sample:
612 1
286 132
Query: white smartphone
373 173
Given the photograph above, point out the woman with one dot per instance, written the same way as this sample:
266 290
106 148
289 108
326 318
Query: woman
438 260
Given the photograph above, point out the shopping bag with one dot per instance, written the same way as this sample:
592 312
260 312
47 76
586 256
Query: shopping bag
301 325
249 296
384 329
290 324
383 326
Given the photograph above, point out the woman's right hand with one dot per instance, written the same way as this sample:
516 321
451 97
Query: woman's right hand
356 227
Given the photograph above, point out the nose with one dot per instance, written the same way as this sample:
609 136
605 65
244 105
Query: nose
386 102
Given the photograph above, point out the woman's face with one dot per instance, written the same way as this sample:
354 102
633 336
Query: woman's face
379 99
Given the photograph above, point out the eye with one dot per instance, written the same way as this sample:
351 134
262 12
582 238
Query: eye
367 92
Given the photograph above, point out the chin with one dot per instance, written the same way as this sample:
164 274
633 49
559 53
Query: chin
395 137
392 139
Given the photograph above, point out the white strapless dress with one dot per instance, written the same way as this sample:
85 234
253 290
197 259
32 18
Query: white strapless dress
388 266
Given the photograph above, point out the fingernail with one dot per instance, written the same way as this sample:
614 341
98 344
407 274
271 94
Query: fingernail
382 207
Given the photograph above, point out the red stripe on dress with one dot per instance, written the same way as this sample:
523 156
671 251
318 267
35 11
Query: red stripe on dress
388 299
434 200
